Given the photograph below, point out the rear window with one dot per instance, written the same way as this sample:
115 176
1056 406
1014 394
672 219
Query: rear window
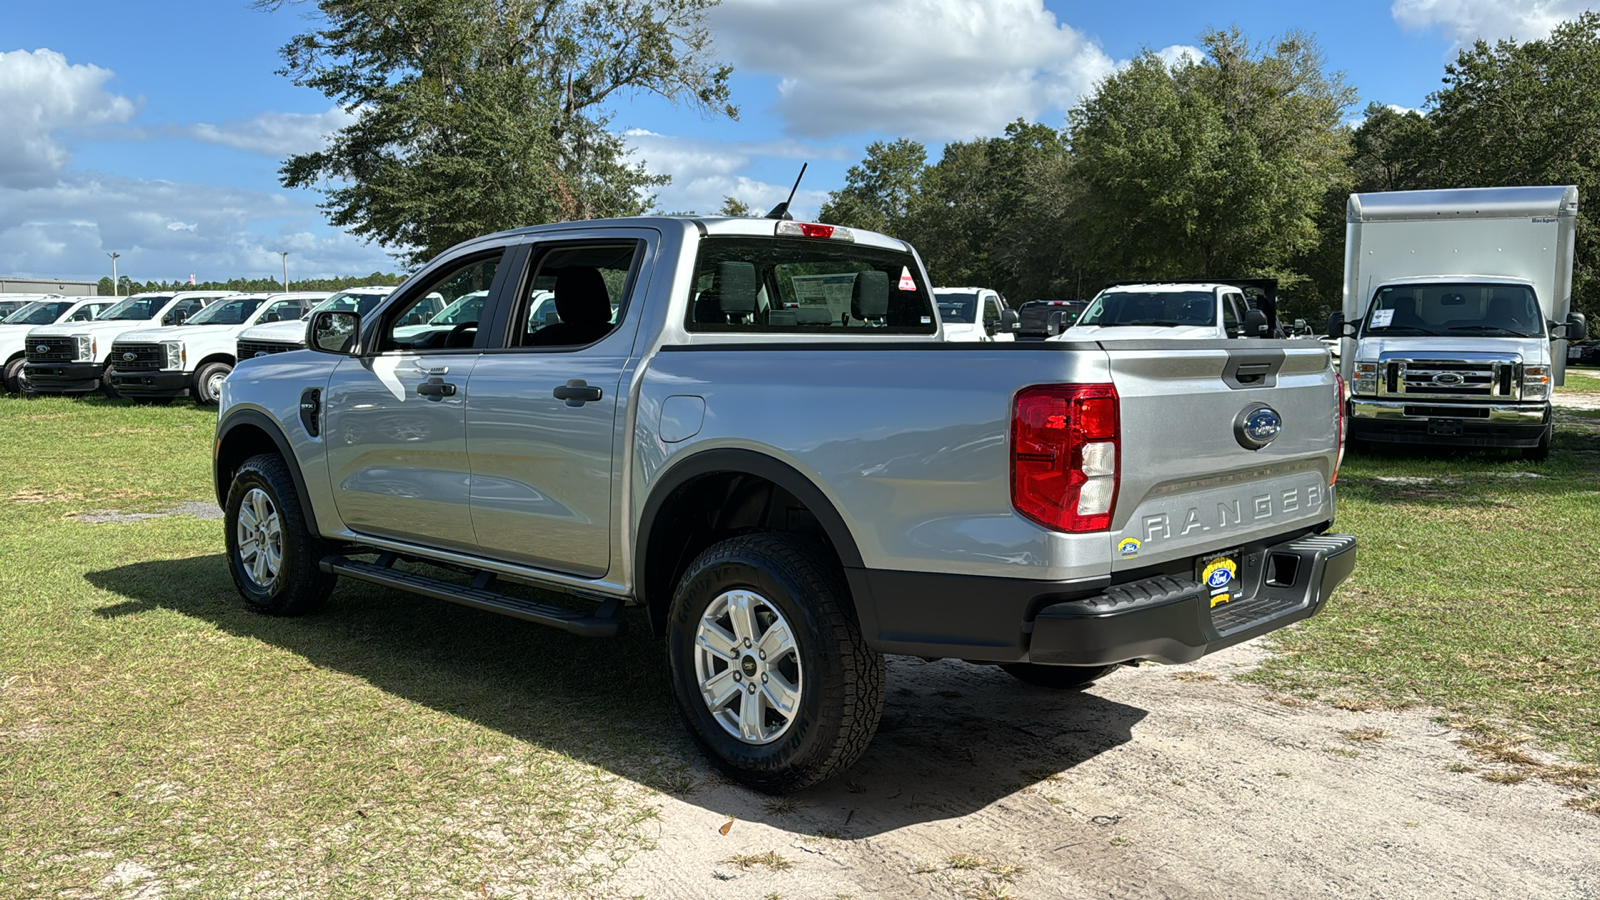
1170 308
800 286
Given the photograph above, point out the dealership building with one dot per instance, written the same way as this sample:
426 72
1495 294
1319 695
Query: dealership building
42 286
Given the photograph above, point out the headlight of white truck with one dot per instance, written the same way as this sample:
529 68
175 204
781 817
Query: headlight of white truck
1366 379
86 347
175 355
1535 383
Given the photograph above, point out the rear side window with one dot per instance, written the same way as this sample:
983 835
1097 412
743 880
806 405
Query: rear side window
799 286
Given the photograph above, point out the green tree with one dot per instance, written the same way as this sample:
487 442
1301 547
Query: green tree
1527 114
479 115
1209 168
734 207
879 194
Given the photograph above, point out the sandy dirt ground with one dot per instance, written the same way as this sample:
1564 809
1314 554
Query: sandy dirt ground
1155 782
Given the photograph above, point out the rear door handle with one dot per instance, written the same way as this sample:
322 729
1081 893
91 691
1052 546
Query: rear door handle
577 392
436 388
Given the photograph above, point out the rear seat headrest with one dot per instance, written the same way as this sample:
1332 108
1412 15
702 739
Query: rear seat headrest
870 297
736 287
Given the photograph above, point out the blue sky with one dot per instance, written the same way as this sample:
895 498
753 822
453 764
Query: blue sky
156 130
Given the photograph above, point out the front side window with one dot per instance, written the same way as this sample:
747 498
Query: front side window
462 287
39 312
1230 314
1169 308
807 287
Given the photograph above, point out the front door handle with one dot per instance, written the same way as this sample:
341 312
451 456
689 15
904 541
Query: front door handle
577 392
437 389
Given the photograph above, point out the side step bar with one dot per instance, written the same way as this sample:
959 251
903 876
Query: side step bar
604 622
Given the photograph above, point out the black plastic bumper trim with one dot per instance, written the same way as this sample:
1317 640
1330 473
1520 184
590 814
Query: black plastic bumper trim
1473 433
47 378
151 384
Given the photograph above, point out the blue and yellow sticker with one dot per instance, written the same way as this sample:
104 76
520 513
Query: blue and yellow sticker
1129 548
1218 576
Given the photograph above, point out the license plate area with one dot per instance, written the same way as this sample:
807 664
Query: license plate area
1219 573
1445 427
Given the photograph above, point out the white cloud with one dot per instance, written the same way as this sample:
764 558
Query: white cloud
927 69
1465 21
705 171
1178 54
42 95
165 230
275 134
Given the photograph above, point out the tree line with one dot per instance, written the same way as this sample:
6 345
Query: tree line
1236 164
126 286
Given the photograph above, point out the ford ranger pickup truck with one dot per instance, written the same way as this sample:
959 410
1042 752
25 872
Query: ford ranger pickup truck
789 482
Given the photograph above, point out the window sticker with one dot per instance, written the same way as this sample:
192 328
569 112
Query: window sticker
906 283
1382 317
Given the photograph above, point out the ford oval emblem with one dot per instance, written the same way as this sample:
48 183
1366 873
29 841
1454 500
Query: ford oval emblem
1257 426
1449 379
129 357
41 348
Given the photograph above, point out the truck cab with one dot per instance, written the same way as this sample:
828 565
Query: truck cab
159 364
1456 308
973 314
1169 311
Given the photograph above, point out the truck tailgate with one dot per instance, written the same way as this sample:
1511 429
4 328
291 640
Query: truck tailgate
1189 484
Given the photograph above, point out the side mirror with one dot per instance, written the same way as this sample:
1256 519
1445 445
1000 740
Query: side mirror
1338 327
1255 323
333 331
1055 324
178 317
1576 327
1010 321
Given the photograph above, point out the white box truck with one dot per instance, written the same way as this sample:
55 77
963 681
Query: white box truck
1457 307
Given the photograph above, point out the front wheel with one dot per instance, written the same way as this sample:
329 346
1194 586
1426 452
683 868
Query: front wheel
768 665
272 554
16 376
208 382
106 387
1060 677
1541 451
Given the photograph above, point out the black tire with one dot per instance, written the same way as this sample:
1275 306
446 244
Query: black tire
1061 677
299 585
1541 451
202 390
14 376
106 387
841 679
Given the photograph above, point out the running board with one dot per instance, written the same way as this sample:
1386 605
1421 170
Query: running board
604 622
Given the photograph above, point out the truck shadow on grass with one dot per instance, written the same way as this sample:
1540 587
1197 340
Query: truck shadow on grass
954 737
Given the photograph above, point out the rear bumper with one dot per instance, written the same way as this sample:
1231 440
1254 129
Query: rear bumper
1459 425
64 378
1164 618
150 384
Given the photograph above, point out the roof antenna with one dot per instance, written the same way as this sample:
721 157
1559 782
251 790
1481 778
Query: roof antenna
781 211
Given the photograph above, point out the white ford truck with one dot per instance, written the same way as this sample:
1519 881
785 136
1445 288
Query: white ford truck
75 357
785 498
974 314
14 330
1176 311
156 365
1457 307
280 337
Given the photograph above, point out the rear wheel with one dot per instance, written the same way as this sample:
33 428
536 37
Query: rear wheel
16 376
768 665
208 382
1064 677
272 554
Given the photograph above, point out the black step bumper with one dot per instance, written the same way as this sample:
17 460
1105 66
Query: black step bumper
1164 618
64 378
150 384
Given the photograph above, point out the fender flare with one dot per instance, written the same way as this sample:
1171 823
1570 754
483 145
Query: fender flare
748 462
271 428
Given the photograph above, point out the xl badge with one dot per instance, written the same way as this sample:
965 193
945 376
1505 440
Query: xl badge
1257 426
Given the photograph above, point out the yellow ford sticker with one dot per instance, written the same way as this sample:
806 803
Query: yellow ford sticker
1128 547
1219 576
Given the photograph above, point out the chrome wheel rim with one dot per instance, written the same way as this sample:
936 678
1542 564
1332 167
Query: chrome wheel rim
214 385
260 535
748 667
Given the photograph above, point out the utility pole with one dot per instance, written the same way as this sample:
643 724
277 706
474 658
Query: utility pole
115 291
285 255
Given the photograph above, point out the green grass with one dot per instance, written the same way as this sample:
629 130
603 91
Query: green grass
1477 591
155 736
1582 381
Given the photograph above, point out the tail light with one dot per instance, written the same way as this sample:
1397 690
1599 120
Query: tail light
1065 452
1339 424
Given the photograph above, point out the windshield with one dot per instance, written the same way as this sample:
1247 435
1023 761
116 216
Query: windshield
1491 310
1169 308
957 306
228 312
358 303
137 308
39 312
467 308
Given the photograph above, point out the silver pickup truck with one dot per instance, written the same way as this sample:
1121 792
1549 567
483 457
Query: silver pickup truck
752 429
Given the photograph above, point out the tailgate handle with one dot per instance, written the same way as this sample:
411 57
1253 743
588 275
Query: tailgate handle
1252 374
1253 368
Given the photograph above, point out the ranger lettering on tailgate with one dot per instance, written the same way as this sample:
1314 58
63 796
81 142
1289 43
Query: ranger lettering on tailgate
1190 516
